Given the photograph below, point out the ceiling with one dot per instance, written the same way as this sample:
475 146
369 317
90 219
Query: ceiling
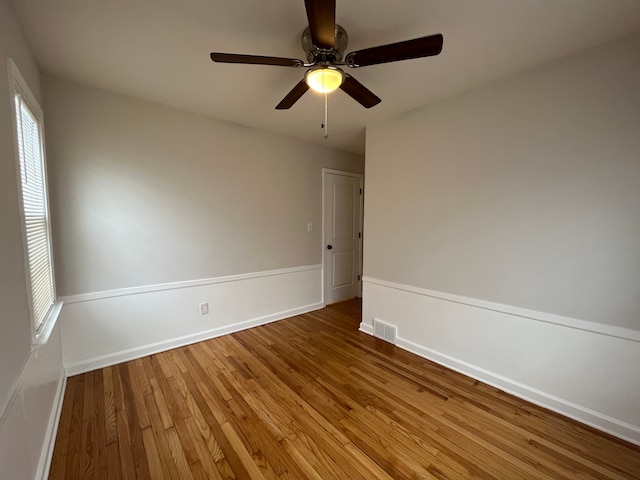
158 50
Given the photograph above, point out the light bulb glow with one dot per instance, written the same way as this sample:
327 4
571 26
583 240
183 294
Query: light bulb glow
324 80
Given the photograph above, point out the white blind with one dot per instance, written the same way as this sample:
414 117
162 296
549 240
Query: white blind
34 199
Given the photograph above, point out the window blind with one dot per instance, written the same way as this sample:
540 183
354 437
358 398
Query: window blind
34 200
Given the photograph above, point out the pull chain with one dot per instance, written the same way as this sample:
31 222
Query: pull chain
326 116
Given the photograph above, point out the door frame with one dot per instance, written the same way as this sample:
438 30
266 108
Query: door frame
360 176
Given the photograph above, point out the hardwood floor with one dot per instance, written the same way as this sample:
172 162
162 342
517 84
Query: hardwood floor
311 397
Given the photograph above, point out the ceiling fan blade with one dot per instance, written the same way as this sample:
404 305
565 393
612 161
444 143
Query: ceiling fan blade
293 96
393 52
322 22
359 92
255 59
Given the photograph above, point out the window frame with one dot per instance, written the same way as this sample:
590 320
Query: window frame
18 86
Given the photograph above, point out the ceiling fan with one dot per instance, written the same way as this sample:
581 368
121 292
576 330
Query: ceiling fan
324 42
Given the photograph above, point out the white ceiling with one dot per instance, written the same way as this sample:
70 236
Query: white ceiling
158 50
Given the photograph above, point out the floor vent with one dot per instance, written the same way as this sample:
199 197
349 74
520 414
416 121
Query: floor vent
384 331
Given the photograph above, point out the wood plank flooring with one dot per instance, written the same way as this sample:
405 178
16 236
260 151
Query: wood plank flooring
311 397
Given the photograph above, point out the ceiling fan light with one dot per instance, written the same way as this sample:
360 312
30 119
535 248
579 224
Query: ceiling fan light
325 79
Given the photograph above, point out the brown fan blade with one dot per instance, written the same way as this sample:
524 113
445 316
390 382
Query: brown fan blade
255 59
293 96
322 22
394 52
359 92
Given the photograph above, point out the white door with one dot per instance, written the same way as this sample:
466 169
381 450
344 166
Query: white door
342 235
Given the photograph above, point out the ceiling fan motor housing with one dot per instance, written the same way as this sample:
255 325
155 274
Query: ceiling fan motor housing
315 54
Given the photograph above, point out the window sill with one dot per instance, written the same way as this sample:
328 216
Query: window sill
42 337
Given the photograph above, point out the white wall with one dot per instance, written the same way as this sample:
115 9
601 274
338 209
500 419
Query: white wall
120 325
30 383
157 210
522 194
29 424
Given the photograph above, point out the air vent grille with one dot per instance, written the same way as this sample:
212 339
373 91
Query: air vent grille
384 331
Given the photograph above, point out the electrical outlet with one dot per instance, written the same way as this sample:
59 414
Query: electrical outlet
204 308
309 227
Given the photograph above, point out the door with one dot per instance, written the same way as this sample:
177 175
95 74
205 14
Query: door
342 230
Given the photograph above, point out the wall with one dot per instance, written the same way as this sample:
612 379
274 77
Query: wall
15 334
144 194
30 383
116 326
504 238
157 210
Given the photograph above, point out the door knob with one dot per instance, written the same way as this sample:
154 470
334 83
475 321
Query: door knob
329 247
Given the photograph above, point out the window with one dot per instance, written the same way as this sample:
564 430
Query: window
34 208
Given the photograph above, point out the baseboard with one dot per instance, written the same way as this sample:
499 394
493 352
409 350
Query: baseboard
578 369
103 361
109 328
617 428
589 417
46 454
366 328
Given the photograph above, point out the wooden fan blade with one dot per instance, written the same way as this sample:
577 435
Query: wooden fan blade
293 96
255 59
322 22
359 92
394 52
